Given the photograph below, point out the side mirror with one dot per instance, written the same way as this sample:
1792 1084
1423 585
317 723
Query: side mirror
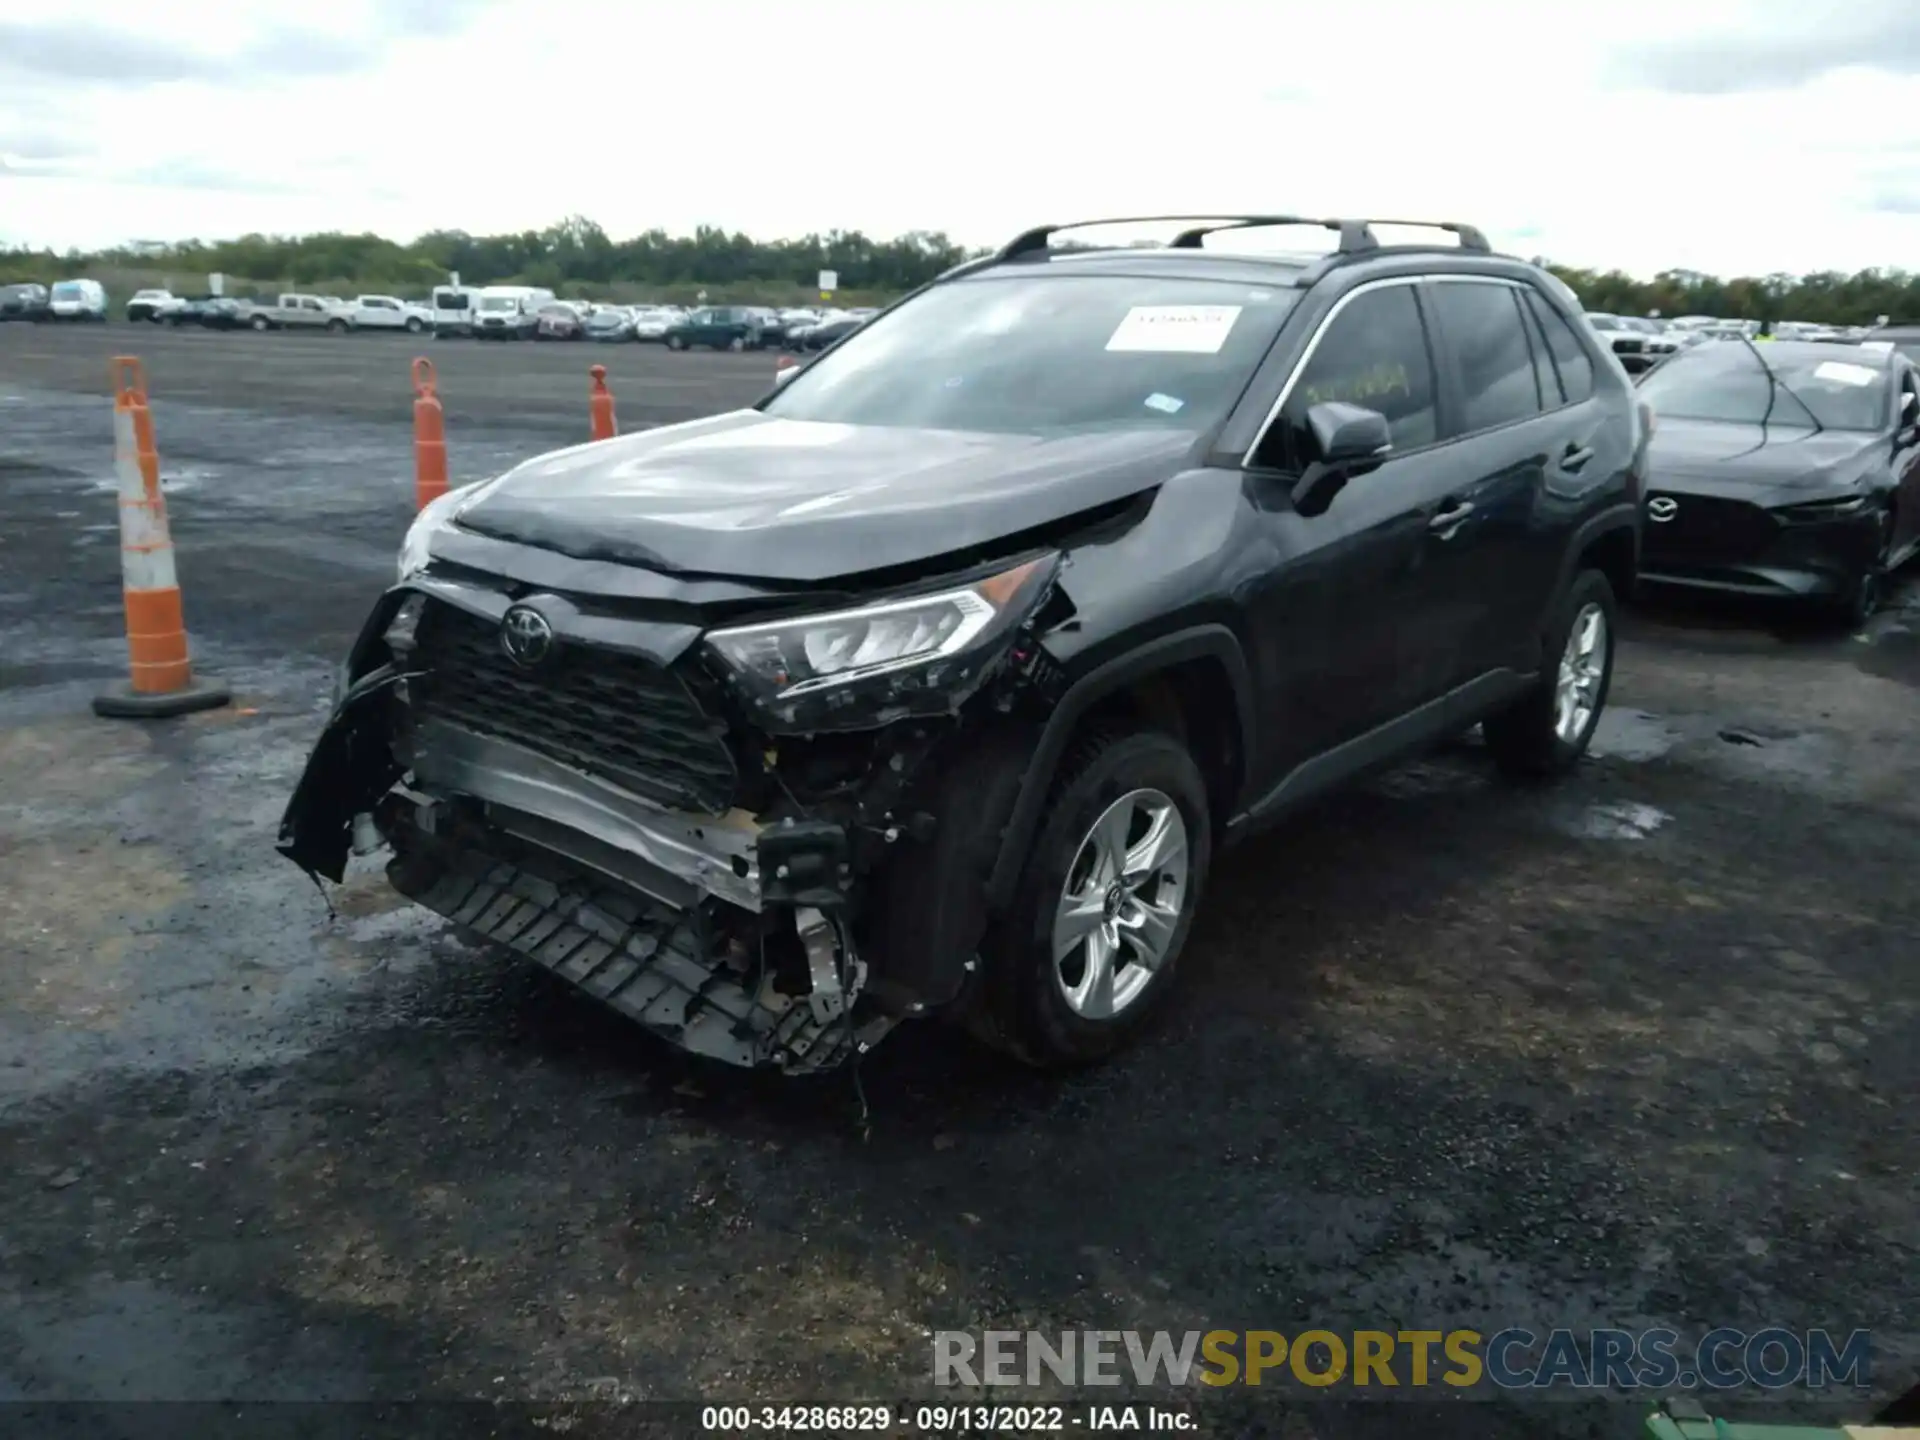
1909 406
1347 434
1348 439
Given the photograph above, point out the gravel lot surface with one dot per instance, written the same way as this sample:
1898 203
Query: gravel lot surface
1639 1049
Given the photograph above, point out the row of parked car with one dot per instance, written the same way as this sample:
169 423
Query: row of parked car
506 312
515 312
1642 342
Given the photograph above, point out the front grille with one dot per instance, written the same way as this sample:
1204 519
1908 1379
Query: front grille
618 717
1707 527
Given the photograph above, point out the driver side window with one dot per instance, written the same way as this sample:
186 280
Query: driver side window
1373 353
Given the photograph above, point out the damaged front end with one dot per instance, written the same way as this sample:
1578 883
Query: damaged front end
766 842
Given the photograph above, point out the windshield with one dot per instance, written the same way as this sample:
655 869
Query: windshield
452 302
67 290
498 302
1728 383
1033 354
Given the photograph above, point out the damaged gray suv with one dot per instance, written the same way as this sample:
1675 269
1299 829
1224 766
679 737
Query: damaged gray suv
932 683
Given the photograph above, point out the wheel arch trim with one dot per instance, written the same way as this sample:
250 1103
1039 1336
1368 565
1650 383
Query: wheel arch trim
1202 642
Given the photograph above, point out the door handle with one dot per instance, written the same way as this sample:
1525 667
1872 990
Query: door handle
1575 456
1449 520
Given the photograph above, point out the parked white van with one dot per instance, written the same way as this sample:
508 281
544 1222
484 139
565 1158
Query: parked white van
77 300
453 309
508 312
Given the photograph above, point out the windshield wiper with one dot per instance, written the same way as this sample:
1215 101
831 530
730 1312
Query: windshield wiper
1773 391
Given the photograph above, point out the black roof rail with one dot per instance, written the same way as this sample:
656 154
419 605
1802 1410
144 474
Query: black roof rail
1356 236
1038 239
1471 240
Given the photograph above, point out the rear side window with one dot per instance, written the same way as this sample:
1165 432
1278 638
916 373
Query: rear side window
1374 353
1544 370
1489 348
1570 357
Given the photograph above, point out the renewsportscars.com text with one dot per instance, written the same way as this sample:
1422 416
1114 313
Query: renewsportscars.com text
1601 1359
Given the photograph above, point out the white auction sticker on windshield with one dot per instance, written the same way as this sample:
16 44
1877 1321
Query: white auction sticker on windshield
1175 329
1842 373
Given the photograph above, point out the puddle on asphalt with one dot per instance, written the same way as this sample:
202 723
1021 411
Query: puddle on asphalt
1620 820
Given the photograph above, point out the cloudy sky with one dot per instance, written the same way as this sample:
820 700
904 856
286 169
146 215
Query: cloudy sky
1732 136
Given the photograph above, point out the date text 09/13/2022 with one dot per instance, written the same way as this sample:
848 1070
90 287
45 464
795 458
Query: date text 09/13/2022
942 1419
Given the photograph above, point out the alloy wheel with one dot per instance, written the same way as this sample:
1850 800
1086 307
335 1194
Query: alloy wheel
1583 665
1120 904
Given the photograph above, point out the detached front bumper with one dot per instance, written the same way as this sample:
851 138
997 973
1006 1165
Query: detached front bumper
792 934
691 983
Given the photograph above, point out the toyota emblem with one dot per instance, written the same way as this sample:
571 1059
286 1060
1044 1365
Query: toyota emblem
525 635
1662 509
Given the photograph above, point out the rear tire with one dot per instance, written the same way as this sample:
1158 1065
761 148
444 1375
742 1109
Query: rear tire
336 327
1546 731
1145 786
260 322
414 327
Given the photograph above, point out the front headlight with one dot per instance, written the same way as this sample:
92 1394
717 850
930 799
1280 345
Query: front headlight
414 553
1833 507
860 666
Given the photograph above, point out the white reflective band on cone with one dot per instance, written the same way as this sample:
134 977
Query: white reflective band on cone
146 547
148 569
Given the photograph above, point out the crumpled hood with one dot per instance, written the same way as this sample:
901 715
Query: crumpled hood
1748 457
757 497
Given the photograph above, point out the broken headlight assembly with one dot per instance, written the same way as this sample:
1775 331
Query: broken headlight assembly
857 668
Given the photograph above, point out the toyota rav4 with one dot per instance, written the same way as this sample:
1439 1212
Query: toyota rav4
935 681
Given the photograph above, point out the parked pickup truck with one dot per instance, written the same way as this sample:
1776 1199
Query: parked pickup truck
288 312
384 312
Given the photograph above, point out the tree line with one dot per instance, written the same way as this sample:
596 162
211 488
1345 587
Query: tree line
578 257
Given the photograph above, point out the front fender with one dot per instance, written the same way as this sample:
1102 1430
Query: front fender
1214 642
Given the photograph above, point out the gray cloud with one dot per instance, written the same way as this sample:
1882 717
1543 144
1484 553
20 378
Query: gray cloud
36 145
1783 45
71 52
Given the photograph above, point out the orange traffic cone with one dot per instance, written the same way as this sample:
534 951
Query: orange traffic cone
161 681
429 437
784 368
600 404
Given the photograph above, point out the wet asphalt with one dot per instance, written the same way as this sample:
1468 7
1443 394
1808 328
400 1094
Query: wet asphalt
1637 1049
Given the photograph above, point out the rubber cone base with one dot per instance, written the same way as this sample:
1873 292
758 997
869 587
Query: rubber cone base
123 702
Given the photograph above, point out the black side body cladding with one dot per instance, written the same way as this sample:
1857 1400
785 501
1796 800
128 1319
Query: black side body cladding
1201 642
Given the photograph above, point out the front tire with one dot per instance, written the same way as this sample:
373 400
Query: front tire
1546 731
1085 957
1863 597
260 322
